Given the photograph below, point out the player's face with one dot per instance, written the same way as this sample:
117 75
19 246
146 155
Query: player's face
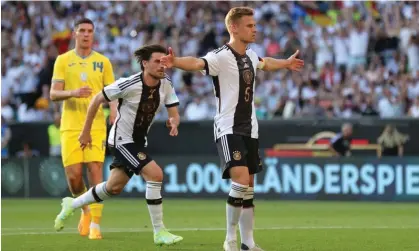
347 131
84 36
154 67
246 29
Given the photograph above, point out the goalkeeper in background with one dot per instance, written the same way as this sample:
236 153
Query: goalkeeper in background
79 75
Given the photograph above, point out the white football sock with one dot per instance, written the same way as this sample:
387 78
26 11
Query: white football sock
155 204
97 193
246 222
234 208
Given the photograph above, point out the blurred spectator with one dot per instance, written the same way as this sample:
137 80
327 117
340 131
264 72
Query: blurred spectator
367 108
414 109
6 135
197 110
27 151
261 112
387 105
413 52
7 111
391 142
359 59
54 136
313 109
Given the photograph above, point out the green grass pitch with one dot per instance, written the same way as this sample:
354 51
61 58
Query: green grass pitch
280 225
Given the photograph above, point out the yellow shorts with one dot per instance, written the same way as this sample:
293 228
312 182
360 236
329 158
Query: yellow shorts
72 153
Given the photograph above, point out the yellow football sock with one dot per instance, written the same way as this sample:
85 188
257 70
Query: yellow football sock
84 208
96 212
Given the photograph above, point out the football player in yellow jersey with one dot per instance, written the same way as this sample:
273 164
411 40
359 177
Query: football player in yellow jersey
79 75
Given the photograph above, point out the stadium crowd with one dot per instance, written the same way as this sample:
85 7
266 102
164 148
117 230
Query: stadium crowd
362 58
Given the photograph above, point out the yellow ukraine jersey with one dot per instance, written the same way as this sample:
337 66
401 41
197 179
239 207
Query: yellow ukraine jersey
94 71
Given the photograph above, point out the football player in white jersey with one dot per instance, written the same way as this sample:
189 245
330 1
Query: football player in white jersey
233 68
140 97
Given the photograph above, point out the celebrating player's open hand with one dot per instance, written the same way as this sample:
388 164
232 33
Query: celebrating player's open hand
295 64
172 125
85 139
167 60
82 92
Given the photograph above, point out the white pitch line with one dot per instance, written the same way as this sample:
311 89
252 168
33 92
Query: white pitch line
139 230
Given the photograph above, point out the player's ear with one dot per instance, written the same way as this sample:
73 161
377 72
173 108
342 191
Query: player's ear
73 33
233 27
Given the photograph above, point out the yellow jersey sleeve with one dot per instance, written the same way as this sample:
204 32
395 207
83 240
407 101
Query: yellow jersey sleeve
108 77
59 70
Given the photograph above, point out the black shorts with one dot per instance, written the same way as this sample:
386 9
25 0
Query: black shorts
237 150
130 157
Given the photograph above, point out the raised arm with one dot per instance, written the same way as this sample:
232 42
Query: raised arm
292 63
183 63
189 63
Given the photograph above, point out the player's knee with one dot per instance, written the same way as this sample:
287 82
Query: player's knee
95 173
75 179
115 189
152 172
241 179
156 175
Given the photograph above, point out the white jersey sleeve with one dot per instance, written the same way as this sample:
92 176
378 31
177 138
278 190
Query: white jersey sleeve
171 98
212 65
260 62
120 88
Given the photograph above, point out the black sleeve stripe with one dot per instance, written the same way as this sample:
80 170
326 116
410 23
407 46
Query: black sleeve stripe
206 66
128 83
169 81
220 49
167 77
106 96
172 105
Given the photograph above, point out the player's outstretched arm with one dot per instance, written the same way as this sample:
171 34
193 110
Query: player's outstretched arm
85 138
292 63
183 63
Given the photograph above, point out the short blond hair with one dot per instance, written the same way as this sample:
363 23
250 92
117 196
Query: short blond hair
236 13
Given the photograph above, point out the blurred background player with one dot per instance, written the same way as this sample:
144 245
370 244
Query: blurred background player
340 145
140 98
78 75
233 70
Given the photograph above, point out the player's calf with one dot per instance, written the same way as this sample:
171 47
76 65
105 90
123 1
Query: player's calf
153 175
77 187
74 174
117 180
95 176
